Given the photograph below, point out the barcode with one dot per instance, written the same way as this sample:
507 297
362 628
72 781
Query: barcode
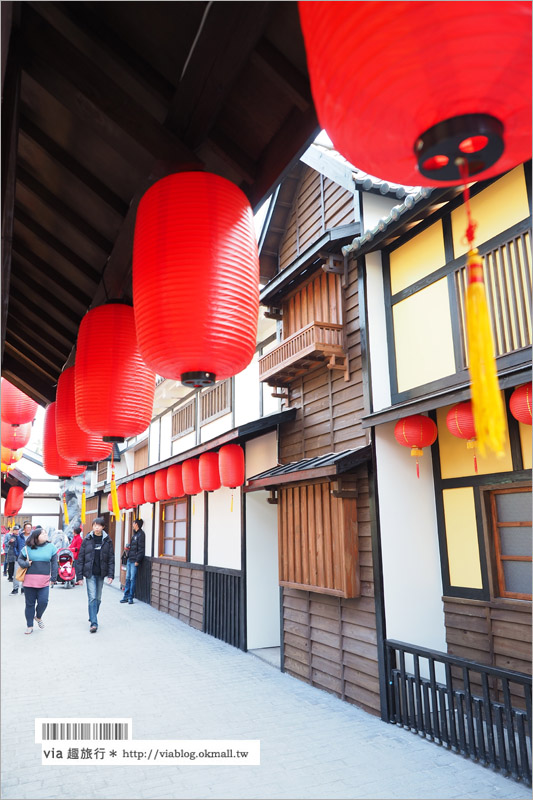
73 731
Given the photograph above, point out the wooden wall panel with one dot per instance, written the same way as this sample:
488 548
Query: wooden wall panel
178 591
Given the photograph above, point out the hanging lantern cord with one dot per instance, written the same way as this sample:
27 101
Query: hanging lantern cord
470 232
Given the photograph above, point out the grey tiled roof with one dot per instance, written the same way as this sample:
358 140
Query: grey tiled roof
338 460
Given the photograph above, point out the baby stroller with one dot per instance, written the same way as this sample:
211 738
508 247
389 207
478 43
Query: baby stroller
66 570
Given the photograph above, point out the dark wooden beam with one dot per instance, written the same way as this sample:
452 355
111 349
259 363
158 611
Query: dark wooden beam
50 240
67 162
32 290
66 291
56 350
29 364
283 74
39 389
228 151
32 349
229 34
24 305
59 207
92 95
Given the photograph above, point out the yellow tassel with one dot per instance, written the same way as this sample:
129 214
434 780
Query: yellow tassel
114 498
83 504
65 511
231 507
487 404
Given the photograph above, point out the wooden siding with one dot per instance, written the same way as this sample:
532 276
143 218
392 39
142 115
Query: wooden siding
330 642
178 591
140 458
329 408
320 205
318 300
318 545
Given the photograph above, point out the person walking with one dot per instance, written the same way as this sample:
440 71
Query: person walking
96 562
21 540
74 548
11 555
39 556
135 557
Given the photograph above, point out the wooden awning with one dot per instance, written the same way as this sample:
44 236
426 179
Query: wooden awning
325 466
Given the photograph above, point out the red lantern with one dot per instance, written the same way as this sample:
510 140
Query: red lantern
415 432
53 462
121 496
231 465
138 492
195 278
190 476
72 441
161 485
109 503
15 436
129 495
17 408
422 87
114 388
14 499
208 473
149 488
174 481
520 404
11 456
460 423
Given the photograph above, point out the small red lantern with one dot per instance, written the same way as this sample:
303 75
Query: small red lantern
520 404
121 496
174 481
416 432
17 407
149 488
195 278
53 462
161 485
231 465
15 436
138 491
72 441
11 456
129 495
422 87
208 473
108 363
460 423
14 500
190 476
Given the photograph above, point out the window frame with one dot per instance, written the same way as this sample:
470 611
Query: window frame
495 525
182 501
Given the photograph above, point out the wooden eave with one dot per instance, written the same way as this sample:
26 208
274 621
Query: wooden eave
100 100
338 464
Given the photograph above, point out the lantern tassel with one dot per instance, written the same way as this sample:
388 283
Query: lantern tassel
114 495
83 504
231 506
487 405
417 469
65 510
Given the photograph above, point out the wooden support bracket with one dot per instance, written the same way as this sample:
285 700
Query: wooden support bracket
334 264
273 499
344 487
281 395
274 313
340 362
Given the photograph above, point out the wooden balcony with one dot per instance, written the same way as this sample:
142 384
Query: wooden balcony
317 342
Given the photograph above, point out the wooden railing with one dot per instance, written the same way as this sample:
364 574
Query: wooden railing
479 711
318 340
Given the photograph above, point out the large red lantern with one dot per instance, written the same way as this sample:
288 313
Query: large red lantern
73 442
231 465
208 473
53 462
14 500
460 423
121 496
160 483
114 388
416 432
17 407
423 86
190 476
15 436
520 403
138 492
149 488
129 495
174 481
195 278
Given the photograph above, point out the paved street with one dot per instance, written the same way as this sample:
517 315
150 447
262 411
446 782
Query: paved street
176 683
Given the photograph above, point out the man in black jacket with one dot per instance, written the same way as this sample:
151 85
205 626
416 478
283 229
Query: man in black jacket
135 556
96 562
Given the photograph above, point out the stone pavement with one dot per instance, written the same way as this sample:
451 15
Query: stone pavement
177 683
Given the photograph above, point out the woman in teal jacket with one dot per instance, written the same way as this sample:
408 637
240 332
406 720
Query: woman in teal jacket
40 557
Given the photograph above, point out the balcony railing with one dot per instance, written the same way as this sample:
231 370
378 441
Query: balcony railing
318 341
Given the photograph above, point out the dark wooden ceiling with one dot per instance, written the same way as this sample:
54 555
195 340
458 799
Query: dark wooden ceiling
101 99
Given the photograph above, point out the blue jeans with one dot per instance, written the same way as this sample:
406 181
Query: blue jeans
131 577
95 585
34 595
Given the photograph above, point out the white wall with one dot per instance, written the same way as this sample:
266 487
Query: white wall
410 550
153 443
216 428
197 529
261 453
224 538
184 443
377 333
247 391
262 587
166 434
376 207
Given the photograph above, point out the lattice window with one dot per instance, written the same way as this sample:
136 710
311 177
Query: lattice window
215 401
183 419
